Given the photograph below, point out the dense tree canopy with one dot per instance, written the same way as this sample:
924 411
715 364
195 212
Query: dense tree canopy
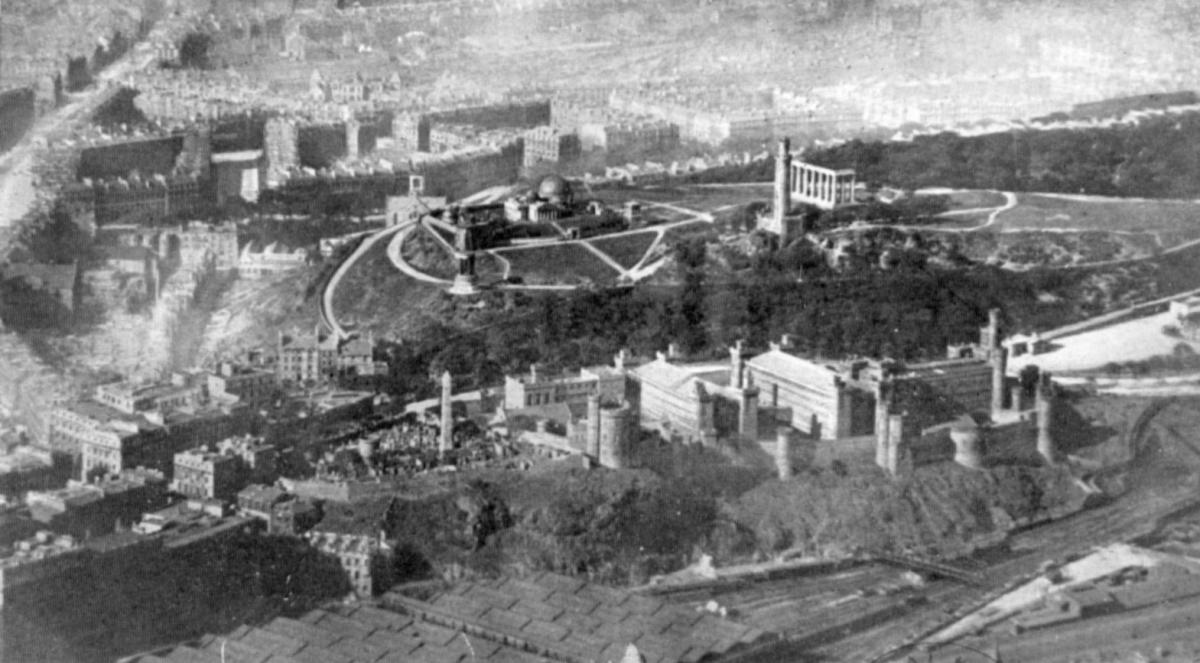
1153 159
193 51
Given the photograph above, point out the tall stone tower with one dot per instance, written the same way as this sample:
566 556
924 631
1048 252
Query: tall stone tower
783 452
593 426
897 453
782 200
883 409
998 357
1044 396
706 416
352 127
616 437
446 441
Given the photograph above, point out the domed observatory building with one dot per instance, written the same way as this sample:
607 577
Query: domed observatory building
549 200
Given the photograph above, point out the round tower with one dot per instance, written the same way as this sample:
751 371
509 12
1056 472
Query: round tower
616 443
367 448
783 452
897 448
593 426
968 443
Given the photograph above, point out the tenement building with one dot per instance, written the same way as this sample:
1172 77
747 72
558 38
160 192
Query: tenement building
699 402
549 144
316 357
127 426
537 388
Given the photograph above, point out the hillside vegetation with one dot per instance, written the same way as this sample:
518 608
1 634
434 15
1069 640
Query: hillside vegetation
1153 159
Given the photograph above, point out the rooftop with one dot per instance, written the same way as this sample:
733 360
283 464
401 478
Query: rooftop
24 459
674 377
141 391
236 157
541 618
111 418
60 277
797 368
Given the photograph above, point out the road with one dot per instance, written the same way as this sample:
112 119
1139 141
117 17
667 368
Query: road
30 387
18 190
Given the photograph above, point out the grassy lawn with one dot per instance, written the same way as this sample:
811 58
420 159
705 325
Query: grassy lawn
428 255
701 199
689 231
626 250
375 295
558 264
974 199
1035 212
706 199
488 267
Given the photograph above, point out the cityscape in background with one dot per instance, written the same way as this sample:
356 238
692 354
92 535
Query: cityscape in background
606 331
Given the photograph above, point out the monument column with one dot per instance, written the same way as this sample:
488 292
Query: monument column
446 440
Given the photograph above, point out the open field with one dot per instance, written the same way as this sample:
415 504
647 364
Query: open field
698 197
974 199
1134 340
688 231
1046 212
626 250
558 264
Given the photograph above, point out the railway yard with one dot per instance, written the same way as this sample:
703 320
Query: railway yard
874 611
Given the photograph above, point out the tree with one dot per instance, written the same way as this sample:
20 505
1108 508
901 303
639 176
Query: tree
193 51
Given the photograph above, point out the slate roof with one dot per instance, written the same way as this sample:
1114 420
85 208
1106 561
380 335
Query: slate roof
344 634
568 619
542 618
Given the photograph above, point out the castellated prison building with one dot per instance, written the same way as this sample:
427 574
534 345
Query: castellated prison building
747 398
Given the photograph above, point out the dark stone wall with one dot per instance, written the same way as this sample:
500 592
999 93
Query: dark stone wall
16 116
